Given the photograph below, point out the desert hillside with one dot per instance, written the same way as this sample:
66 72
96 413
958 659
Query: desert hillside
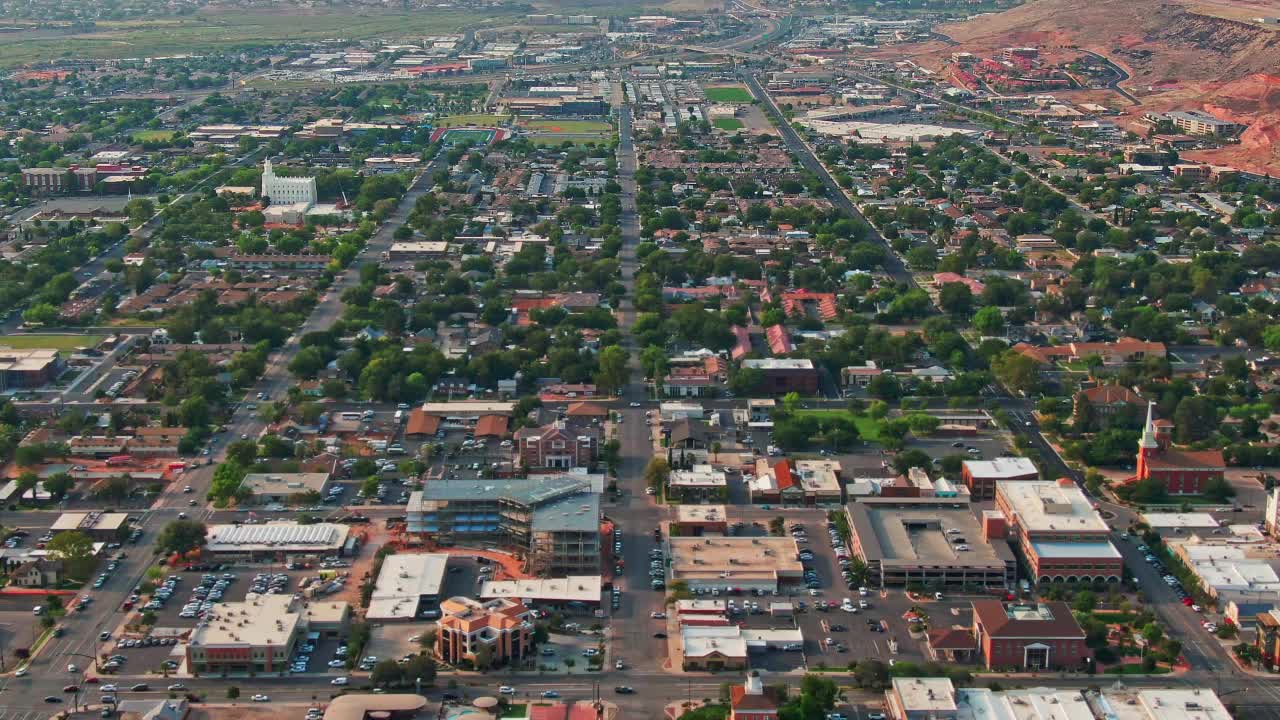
1179 53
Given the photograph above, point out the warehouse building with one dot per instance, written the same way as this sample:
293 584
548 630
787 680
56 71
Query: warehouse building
278 541
407 586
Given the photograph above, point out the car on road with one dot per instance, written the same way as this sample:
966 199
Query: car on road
506 690
140 687
550 694
338 681
624 690
261 698
107 689
635 404
177 686
52 699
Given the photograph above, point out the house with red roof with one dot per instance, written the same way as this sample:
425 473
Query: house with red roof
1031 637
799 303
779 340
581 710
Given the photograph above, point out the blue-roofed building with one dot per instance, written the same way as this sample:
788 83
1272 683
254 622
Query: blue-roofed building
553 520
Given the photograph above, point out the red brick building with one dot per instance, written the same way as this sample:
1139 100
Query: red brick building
1056 531
558 445
750 701
1181 472
784 375
1043 636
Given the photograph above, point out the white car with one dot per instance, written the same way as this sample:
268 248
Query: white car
656 615
22 672
338 681
506 690
107 689
261 698
635 404
72 669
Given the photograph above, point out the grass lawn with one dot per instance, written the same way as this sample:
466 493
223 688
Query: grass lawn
153 135
569 126
465 120
730 94
558 140
1136 669
728 124
868 427
515 710
63 343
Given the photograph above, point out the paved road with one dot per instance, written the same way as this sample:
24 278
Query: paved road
892 264
48 670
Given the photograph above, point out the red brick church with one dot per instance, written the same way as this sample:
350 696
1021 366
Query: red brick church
1182 472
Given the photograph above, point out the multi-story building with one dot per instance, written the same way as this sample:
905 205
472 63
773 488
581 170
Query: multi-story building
1194 122
560 445
22 369
1035 637
921 699
1057 532
784 375
288 190
699 484
554 521
483 633
982 475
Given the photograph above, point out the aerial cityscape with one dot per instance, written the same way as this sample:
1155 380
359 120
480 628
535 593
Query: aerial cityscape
680 360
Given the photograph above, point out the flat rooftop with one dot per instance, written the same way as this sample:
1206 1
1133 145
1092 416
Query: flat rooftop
403 581
1180 521
89 521
1004 468
1051 506
284 483
264 620
916 534
575 588
925 695
701 513
1098 550
726 558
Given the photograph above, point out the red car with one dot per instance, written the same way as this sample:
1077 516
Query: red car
1187 601
91 680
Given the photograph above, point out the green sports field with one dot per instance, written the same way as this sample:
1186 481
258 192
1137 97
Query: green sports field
452 121
569 127
729 124
729 94
63 343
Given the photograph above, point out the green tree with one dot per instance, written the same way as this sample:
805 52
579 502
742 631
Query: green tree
989 321
75 550
182 536
613 373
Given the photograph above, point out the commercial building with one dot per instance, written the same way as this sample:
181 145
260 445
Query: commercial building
406 586
1181 472
255 636
796 482
278 541
1057 532
742 563
921 699
1232 571
1115 702
554 521
698 520
699 484
270 488
981 476
576 592
420 250
917 541
1028 637
493 632
784 375
726 647
26 369
100 526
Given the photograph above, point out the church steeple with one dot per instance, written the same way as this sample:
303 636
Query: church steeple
1148 441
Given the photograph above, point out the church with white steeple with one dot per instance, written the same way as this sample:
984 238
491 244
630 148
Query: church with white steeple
288 190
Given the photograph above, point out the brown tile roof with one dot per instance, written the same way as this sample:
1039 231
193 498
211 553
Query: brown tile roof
1174 458
1111 394
951 639
491 426
997 623
420 423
